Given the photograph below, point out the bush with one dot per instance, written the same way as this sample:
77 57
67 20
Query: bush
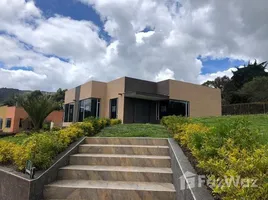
95 123
229 149
173 122
41 148
115 122
55 128
6 149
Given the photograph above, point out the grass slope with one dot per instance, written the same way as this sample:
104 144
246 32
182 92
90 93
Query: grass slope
259 122
135 130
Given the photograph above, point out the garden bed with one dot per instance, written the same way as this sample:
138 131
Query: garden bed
43 147
224 148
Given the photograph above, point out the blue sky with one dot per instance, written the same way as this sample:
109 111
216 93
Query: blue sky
74 9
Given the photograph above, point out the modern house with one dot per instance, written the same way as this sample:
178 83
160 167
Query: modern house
139 101
14 119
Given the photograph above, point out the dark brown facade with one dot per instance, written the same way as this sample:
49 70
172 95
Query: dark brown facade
139 101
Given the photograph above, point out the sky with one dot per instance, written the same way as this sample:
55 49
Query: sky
54 44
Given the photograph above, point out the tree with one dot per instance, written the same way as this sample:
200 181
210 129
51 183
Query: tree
219 82
231 87
248 73
38 106
256 90
59 97
11 101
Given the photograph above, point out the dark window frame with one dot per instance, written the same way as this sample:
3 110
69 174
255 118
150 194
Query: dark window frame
89 107
113 115
8 122
68 117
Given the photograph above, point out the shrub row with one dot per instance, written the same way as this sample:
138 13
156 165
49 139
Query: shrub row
41 148
227 150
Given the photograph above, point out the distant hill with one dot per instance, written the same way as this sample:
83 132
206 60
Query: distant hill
6 93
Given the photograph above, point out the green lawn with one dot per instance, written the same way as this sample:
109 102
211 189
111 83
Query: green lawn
135 130
17 139
259 122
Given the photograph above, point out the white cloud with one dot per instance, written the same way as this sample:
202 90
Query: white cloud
179 35
164 75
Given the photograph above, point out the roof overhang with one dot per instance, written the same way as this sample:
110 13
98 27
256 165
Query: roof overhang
146 96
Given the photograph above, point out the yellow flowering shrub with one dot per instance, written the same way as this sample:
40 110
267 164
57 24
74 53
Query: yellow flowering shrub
227 150
6 149
42 148
186 132
115 122
173 123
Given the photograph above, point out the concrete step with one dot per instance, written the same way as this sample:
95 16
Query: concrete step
120 160
124 149
115 173
127 141
104 190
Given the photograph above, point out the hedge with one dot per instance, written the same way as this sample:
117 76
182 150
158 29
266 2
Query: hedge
41 148
229 149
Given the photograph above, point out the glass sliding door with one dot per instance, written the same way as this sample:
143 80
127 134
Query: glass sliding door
113 108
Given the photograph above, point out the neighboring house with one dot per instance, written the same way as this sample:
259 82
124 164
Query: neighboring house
138 101
14 119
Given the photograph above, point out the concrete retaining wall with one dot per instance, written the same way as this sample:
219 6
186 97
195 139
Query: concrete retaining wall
182 169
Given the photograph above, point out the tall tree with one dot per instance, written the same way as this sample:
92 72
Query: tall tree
38 106
248 73
230 87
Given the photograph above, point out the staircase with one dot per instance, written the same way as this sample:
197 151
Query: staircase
116 169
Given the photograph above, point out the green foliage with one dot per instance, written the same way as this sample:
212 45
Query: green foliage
59 97
173 121
228 148
42 147
219 82
256 90
38 106
248 73
115 121
135 130
230 87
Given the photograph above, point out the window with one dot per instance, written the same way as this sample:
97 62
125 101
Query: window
89 108
68 112
173 107
113 108
8 122
20 123
1 123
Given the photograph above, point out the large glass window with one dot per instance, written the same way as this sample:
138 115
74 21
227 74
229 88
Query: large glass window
173 107
68 112
89 108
